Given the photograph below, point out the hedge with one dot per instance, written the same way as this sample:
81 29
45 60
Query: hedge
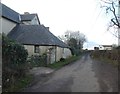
14 64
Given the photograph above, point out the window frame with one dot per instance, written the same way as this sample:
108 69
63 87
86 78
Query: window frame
36 49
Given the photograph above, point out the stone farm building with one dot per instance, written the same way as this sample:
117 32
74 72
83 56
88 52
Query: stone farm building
36 38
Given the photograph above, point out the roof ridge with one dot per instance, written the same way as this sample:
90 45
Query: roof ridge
29 14
9 8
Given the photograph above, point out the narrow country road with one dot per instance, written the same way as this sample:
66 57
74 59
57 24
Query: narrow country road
85 75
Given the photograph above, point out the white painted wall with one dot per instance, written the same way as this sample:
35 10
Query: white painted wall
30 48
43 49
67 53
6 25
107 48
59 53
35 21
62 53
52 55
26 22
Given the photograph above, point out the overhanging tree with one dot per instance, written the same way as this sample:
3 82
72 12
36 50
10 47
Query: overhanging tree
113 7
75 40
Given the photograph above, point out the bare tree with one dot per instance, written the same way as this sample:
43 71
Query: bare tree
70 35
112 7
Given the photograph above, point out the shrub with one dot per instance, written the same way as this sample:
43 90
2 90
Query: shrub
75 51
109 55
37 60
14 61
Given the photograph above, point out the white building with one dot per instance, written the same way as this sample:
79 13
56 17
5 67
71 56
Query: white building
106 47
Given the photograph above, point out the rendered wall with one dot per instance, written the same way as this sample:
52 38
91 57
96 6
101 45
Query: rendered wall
6 25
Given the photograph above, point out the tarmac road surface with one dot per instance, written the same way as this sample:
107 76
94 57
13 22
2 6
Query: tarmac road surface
84 75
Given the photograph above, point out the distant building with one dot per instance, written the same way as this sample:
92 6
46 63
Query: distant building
107 47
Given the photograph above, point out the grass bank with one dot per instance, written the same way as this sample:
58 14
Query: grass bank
106 60
107 56
19 84
23 82
64 62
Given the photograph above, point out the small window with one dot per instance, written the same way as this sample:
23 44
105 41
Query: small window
36 48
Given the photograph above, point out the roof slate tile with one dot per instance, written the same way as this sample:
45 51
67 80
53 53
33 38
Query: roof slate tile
9 13
35 35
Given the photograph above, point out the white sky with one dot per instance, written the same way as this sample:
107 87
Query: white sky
85 16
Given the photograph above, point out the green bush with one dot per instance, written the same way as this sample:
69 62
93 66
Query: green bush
13 60
37 61
75 51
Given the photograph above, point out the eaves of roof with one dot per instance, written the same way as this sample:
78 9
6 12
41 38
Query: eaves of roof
35 35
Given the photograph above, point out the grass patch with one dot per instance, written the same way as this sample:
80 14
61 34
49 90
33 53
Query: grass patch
62 63
107 56
106 60
19 84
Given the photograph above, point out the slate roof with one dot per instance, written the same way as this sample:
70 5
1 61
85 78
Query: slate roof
9 13
35 35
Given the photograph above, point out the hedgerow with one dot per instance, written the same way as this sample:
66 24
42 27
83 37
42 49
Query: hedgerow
109 55
14 63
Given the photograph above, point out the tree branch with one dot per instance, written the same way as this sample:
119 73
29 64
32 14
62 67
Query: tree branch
106 2
118 24
114 34
115 23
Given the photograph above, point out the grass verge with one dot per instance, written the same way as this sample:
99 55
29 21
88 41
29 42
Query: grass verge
113 62
62 63
23 82
20 84
106 60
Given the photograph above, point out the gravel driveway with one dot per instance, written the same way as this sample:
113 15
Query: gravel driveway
84 75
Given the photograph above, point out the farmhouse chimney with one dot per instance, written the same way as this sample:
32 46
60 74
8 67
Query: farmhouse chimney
26 13
47 28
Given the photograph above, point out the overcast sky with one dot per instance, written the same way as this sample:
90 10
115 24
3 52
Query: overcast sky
85 16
